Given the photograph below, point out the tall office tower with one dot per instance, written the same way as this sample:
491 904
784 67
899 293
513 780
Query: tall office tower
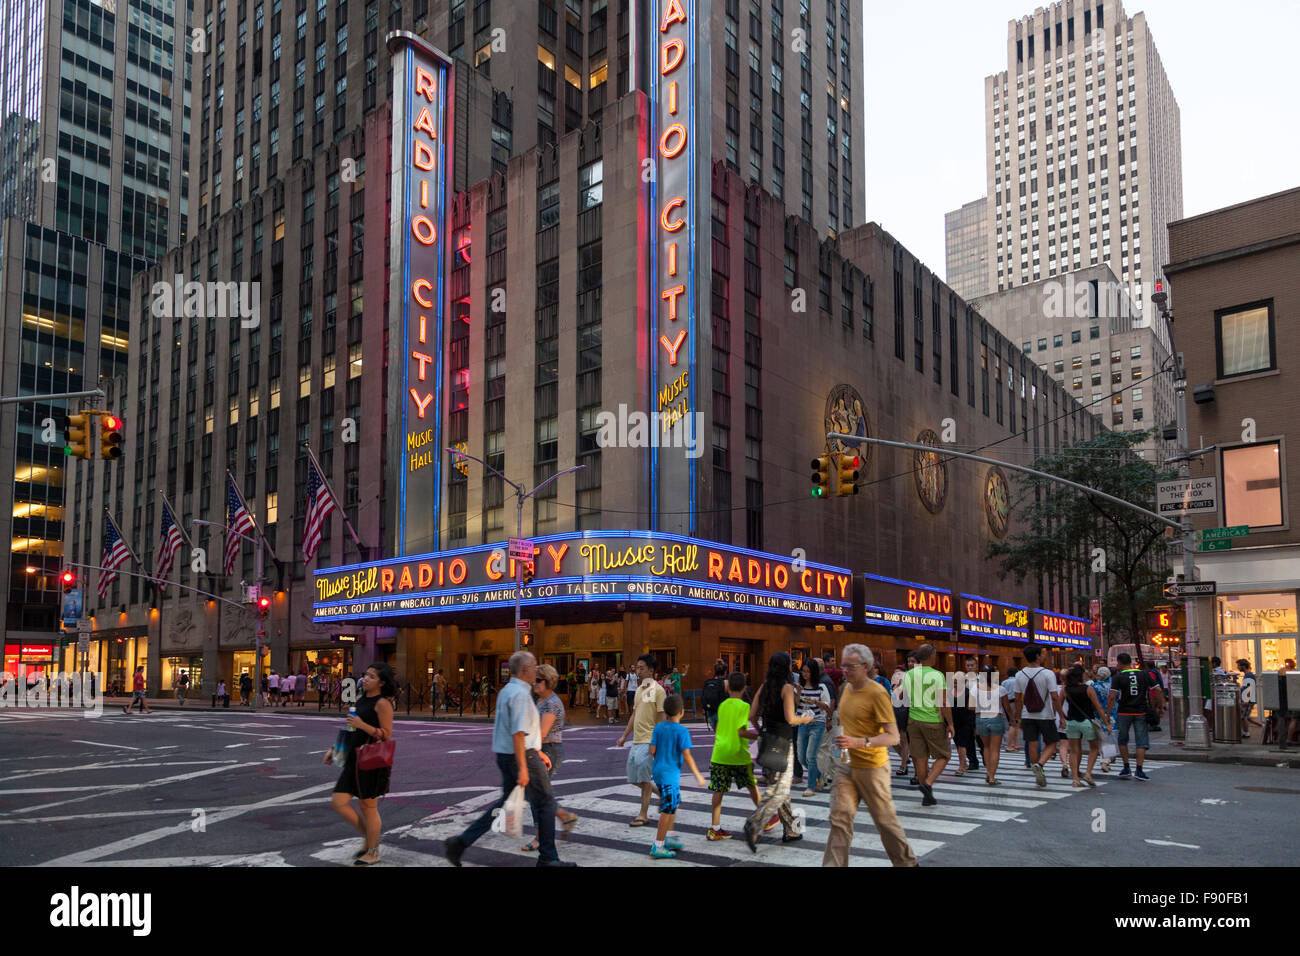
1084 150
966 241
94 134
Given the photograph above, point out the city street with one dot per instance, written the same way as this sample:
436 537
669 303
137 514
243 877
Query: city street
238 789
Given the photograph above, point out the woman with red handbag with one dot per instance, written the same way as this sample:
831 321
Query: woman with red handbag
369 761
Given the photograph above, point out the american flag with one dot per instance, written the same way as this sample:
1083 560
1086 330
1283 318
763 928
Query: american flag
319 505
115 554
171 543
239 521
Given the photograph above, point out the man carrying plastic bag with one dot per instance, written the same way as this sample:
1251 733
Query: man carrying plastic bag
517 744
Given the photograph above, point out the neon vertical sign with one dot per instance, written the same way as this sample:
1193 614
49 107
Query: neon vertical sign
422 78
674 263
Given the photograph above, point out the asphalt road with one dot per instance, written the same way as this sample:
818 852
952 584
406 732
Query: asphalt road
209 788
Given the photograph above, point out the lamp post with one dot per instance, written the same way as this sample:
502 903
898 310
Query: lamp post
1197 735
520 497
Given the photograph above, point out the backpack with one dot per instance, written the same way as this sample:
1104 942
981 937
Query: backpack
713 694
1033 696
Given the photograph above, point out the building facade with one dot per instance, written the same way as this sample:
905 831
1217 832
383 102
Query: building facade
94 141
1234 279
1084 331
966 248
1084 149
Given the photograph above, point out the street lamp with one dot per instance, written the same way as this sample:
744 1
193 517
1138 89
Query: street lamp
520 497
1197 735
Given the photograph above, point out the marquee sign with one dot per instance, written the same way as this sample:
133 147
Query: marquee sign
984 617
1061 630
422 78
907 605
676 273
595 566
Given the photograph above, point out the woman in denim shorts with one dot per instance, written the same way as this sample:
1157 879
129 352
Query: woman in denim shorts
1082 711
551 729
991 719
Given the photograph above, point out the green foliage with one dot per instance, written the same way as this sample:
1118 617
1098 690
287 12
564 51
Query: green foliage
1064 525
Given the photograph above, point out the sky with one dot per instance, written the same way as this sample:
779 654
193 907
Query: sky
1234 69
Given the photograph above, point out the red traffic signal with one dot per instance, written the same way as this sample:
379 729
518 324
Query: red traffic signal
528 572
69 580
263 603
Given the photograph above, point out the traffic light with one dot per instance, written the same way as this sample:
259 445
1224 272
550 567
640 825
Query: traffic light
526 639
264 605
78 429
821 476
69 581
110 437
848 475
528 572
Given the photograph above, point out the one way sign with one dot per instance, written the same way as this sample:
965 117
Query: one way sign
1195 589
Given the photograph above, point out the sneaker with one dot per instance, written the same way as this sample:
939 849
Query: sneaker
771 824
716 834
1126 772
1140 774
1040 778
927 793
661 852
751 836
673 843
929 801
455 848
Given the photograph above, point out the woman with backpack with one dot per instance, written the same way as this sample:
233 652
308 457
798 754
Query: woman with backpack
714 693
372 722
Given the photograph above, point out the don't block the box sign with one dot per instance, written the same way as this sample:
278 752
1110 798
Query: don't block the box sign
422 94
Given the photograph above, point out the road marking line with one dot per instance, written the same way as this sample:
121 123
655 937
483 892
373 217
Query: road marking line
127 788
95 743
273 858
1185 846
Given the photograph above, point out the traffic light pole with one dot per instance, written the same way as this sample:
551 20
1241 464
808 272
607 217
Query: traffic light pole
12 399
520 497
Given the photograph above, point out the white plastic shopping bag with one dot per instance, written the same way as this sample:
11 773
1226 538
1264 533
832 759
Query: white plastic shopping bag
510 818
1109 749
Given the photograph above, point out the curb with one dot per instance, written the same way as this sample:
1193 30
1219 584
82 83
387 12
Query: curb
1289 759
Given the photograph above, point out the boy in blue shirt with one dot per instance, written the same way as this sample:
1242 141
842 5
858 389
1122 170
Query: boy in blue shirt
670 747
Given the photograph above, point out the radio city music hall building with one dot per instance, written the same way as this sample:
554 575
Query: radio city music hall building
483 324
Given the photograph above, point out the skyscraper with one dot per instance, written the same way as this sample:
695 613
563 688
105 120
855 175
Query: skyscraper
966 252
94 137
1084 150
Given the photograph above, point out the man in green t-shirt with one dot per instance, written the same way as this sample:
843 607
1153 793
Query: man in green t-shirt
731 763
926 721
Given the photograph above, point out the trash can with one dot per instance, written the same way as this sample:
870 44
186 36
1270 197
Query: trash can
1227 711
1177 706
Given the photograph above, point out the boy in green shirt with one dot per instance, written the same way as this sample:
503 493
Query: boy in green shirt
730 762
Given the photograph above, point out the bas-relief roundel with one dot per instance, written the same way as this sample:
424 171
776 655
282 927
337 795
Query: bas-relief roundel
846 413
930 473
997 502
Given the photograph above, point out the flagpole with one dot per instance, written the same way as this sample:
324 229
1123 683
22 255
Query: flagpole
122 538
176 521
261 538
365 552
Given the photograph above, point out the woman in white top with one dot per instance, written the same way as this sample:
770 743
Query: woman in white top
814 700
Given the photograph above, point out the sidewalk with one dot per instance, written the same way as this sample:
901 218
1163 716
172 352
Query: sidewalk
1249 753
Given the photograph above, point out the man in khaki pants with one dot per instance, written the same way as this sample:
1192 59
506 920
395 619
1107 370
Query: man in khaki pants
867 728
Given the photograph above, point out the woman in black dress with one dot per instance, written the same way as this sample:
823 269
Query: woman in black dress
372 722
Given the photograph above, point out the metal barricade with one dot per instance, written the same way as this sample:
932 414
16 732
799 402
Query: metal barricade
1227 711
1177 707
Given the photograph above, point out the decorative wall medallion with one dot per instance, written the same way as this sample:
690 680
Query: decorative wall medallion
997 502
607 640
846 413
485 644
930 473
562 640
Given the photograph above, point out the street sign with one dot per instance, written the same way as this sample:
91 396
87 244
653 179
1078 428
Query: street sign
1195 589
522 625
83 628
1215 534
1215 544
83 643
1187 496
521 549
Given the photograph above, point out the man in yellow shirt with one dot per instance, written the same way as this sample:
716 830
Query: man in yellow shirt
867 729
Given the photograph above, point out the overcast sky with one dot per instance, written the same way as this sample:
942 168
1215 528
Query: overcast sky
1234 68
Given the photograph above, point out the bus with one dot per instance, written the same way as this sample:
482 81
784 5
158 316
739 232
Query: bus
1147 653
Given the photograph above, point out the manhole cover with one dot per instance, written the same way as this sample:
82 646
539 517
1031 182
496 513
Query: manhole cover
1267 790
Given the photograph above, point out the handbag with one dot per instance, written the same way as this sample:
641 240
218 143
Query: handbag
375 756
773 752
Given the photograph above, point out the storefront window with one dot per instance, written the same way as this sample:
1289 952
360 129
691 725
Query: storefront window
1260 628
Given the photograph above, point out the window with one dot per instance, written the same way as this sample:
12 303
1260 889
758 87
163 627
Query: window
1058 366
590 178
1137 371
1252 485
1028 347
1057 341
1245 339
1076 362
1075 337
1096 359
1042 345
1135 353
1094 332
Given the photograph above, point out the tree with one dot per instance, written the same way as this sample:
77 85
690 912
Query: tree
1064 526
